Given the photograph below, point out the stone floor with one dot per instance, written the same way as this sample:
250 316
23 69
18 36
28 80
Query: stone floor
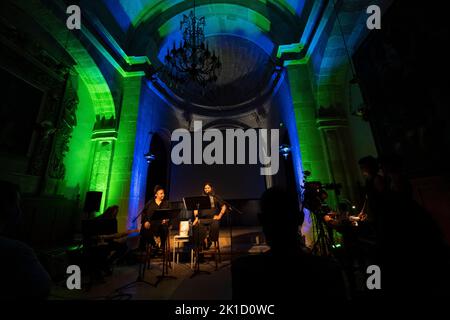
213 286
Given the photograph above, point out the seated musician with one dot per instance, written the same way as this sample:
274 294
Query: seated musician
149 228
101 249
207 222
115 243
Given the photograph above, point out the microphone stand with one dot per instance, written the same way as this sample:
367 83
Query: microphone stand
231 209
142 264
140 213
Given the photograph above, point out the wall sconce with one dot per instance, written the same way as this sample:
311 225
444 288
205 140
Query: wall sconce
149 157
285 150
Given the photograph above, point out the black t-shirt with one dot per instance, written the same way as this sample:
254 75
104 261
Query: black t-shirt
151 207
216 206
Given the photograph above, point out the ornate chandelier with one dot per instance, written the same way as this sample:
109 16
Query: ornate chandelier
192 61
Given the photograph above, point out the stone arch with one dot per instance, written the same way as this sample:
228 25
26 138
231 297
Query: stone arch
85 66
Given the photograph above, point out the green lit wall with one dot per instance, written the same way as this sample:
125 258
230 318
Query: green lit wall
119 188
77 159
101 167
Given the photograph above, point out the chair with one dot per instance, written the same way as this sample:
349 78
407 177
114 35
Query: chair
214 250
182 237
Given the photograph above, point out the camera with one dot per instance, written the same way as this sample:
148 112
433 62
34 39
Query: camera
314 193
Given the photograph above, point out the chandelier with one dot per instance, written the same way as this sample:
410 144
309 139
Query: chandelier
192 61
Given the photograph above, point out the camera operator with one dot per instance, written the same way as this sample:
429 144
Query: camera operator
322 218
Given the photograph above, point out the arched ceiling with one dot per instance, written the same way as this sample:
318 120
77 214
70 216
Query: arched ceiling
247 34
143 27
131 14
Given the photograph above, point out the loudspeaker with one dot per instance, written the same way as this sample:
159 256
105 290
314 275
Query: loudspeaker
92 201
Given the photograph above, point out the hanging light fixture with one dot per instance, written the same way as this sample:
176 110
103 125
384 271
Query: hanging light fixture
191 60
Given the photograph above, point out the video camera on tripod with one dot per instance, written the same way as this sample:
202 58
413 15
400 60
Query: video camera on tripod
314 193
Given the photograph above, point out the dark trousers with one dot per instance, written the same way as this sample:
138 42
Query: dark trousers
206 228
157 229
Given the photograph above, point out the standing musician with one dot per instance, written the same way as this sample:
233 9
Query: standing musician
207 222
150 229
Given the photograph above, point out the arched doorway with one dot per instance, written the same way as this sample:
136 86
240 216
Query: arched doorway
158 169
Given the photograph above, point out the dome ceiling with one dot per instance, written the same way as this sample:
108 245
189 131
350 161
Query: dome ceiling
245 34
246 71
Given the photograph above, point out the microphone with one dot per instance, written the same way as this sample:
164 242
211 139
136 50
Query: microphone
229 206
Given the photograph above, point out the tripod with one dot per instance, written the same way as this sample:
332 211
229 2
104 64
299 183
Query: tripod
322 245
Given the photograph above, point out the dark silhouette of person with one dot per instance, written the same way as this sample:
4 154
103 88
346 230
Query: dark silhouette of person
375 188
115 245
110 213
286 272
414 256
103 246
21 274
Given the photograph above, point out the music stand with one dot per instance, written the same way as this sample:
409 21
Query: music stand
197 203
160 215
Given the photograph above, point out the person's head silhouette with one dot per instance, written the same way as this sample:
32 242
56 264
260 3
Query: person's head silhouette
111 212
280 218
369 166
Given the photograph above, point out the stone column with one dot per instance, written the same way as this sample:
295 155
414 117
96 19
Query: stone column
120 183
336 140
104 136
304 105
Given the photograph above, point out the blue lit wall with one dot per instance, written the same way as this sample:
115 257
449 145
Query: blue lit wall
154 115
